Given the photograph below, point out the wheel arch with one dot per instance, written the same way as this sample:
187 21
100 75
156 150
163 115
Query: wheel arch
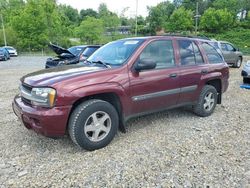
110 97
218 86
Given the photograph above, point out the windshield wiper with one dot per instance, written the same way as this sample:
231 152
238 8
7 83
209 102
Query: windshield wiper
102 63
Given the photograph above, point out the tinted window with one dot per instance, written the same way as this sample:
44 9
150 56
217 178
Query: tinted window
197 54
88 51
186 52
212 55
161 52
116 53
223 47
230 48
76 50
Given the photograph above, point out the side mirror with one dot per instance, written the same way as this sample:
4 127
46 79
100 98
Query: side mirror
145 64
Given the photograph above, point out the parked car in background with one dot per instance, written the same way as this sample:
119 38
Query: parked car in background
4 54
245 73
12 51
72 55
123 79
231 54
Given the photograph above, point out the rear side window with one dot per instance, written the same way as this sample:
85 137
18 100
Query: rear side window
223 47
212 54
189 53
230 48
161 52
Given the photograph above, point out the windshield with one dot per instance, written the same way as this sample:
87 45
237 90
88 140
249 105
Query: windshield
9 48
117 52
76 50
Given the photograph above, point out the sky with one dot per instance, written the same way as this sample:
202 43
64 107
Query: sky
114 5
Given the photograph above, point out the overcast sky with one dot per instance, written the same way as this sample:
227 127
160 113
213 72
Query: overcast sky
114 5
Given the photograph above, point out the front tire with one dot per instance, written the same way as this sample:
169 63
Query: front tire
207 101
93 124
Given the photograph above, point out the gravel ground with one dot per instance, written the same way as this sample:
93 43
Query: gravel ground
169 149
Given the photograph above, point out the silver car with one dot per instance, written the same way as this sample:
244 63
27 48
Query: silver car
231 54
246 73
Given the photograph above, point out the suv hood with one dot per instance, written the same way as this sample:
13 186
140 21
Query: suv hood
48 77
59 50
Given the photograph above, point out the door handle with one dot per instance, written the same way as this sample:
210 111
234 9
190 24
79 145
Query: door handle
174 75
204 71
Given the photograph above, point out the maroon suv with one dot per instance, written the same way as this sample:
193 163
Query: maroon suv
123 79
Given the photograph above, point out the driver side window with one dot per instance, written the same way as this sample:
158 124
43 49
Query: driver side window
161 52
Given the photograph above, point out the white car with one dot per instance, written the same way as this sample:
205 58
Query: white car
12 51
246 73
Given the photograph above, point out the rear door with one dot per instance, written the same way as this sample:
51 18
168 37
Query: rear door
192 67
227 53
155 89
232 53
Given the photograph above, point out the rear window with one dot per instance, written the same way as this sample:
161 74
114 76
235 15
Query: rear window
76 50
212 54
88 51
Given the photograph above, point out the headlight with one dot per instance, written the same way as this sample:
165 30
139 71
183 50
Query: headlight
43 97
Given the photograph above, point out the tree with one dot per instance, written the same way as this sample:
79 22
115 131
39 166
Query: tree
232 6
37 24
70 13
216 21
88 12
90 30
159 15
180 20
103 10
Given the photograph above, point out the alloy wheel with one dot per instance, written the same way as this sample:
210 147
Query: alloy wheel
97 126
209 101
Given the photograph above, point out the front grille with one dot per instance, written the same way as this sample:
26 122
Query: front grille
27 87
25 91
26 101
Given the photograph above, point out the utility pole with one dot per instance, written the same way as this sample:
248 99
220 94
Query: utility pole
4 36
196 18
136 11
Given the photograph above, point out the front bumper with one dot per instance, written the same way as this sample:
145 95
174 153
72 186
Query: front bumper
48 122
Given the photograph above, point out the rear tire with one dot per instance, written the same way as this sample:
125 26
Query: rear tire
93 124
238 63
207 101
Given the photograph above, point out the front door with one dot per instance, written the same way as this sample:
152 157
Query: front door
155 89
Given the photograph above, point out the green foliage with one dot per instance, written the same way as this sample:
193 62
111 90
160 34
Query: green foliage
159 15
11 36
70 13
232 6
90 30
31 24
110 19
180 20
88 12
216 21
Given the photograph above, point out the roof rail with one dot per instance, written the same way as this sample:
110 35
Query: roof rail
189 36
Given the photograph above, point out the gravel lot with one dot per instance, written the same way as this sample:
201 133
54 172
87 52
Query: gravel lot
169 149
